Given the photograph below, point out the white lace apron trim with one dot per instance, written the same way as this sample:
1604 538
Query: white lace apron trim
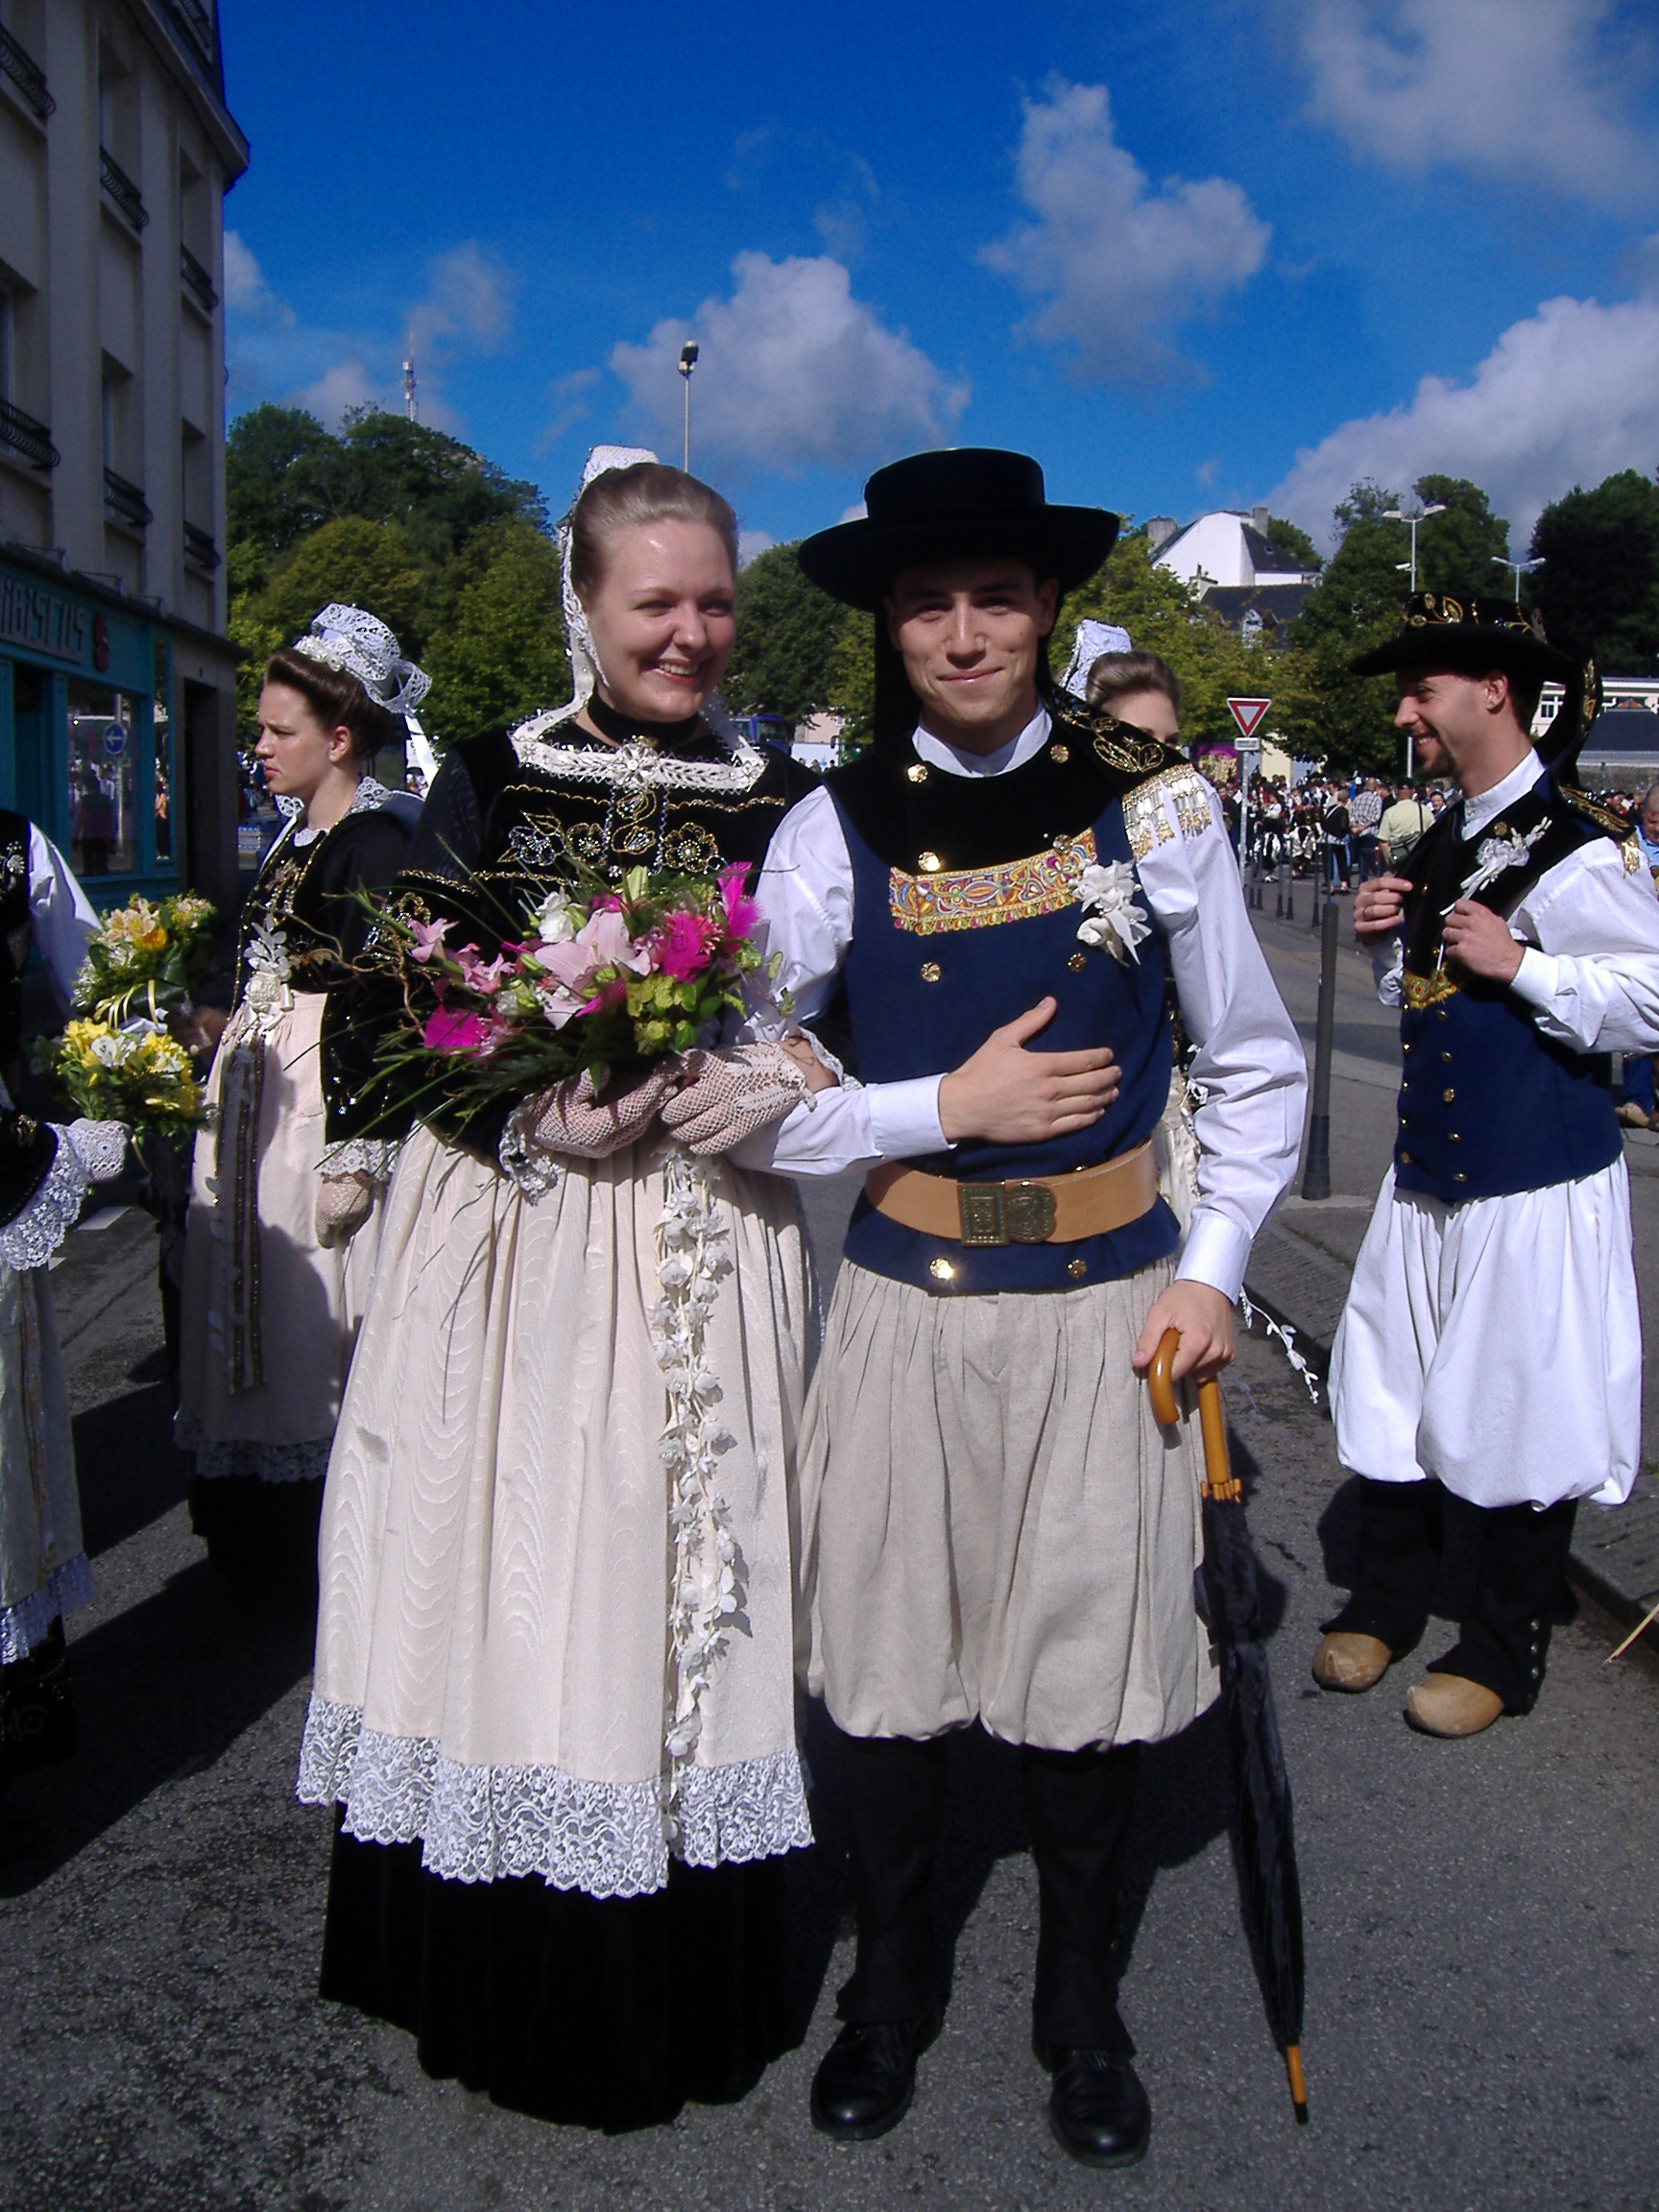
30 1238
22 1626
307 1462
489 1823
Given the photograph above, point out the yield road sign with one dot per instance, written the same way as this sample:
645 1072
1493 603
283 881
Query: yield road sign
1248 713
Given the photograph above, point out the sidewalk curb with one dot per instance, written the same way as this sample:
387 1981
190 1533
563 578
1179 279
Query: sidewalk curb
1615 1557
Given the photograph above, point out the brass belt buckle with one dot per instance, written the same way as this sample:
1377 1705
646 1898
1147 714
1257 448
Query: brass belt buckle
997 1214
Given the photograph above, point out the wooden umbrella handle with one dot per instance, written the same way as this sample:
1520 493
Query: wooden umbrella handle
1220 1480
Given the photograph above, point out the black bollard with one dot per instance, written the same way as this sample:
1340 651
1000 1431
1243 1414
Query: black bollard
1317 1175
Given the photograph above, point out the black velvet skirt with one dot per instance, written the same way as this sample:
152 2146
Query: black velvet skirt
260 1535
607 2013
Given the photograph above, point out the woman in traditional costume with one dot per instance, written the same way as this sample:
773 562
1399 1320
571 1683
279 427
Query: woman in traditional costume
278 1262
553 1699
45 1171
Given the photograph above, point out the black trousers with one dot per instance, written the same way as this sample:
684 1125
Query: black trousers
1503 1642
1080 1805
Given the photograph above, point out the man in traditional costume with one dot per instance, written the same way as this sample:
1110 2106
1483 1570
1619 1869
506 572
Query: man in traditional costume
994 1528
1491 1345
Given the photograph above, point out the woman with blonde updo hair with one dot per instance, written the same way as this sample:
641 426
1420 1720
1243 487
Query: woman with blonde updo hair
553 1702
277 1260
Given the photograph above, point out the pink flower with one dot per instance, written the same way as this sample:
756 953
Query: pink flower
558 1005
566 964
429 938
683 943
449 1032
741 912
607 933
476 975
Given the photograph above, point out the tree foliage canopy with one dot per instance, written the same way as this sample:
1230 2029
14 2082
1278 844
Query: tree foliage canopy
787 633
1598 588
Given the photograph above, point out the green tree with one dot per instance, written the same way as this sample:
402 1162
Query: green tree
851 684
1460 551
499 657
1599 588
1298 548
787 633
268 454
364 564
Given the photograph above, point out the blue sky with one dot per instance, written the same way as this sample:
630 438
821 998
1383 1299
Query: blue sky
1190 253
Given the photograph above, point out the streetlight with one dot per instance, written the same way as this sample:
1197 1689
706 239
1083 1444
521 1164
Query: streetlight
687 362
1521 569
1393 515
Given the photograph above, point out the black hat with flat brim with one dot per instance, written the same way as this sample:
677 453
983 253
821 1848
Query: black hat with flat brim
949 506
1468 638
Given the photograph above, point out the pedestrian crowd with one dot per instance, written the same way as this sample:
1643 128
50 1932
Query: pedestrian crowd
524 1384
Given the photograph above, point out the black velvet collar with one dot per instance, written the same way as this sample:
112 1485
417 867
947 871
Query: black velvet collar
627 728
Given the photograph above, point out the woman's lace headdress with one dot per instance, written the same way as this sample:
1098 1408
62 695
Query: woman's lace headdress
357 643
585 669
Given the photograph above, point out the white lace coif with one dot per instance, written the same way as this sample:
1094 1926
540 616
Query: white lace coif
585 669
359 644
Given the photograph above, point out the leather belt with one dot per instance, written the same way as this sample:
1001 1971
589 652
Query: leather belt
1037 1210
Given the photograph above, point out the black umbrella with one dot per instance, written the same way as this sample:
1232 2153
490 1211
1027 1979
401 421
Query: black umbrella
1269 1888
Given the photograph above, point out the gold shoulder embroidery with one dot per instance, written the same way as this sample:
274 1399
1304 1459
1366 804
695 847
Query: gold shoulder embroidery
1613 824
1146 819
978 898
1120 746
1630 857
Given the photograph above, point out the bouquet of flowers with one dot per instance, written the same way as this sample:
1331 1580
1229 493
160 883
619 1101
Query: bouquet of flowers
608 979
136 1075
157 954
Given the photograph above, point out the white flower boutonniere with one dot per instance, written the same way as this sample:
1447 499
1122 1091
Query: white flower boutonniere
1495 856
1113 919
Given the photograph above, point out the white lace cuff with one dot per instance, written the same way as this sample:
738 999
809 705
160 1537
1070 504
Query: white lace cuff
373 1156
100 1146
30 1238
489 1823
535 1170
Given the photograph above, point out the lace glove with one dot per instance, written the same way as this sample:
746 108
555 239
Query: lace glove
571 1119
344 1203
733 1095
100 1146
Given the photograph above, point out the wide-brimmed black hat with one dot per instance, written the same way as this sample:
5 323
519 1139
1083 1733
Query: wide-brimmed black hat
1468 638
948 506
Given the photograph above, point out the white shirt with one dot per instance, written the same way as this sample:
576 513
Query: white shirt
60 915
1591 928
1249 1078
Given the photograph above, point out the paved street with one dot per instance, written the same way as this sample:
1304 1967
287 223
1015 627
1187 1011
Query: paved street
1483 1919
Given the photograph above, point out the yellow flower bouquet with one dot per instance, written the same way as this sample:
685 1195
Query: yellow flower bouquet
155 954
137 1074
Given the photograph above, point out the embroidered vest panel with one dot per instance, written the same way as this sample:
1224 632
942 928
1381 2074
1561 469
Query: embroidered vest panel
13 927
939 960
1488 1105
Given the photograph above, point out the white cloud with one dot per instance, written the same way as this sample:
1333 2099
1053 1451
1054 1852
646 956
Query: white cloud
1512 88
245 291
1118 267
468 303
753 542
1565 397
346 384
795 373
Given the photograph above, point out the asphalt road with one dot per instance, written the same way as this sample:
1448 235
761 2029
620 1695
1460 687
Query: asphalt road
1482 1923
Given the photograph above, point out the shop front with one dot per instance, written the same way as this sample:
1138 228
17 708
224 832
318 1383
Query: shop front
109 727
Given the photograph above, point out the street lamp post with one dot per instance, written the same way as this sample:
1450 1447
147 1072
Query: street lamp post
1519 568
687 362
1394 515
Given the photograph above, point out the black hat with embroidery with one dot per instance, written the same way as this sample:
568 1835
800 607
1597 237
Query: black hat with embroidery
1478 637
951 506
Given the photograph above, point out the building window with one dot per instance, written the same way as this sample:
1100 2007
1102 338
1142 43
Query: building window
103 838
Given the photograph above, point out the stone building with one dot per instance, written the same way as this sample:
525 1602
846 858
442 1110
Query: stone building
117 698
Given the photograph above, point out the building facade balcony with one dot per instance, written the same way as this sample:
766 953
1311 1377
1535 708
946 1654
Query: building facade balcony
26 74
126 502
122 189
200 549
24 436
196 281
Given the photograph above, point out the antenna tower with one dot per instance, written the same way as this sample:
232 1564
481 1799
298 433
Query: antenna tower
410 408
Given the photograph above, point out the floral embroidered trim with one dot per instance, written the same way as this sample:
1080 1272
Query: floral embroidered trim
23 1624
1417 991
488 1824
980 898
707 1597
636 767
31 1237
1144 815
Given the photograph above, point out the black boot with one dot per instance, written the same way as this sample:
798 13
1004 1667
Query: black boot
894 1789
1080 1805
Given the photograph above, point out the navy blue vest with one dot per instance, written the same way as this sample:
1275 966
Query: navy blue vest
940 959
1488 1105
